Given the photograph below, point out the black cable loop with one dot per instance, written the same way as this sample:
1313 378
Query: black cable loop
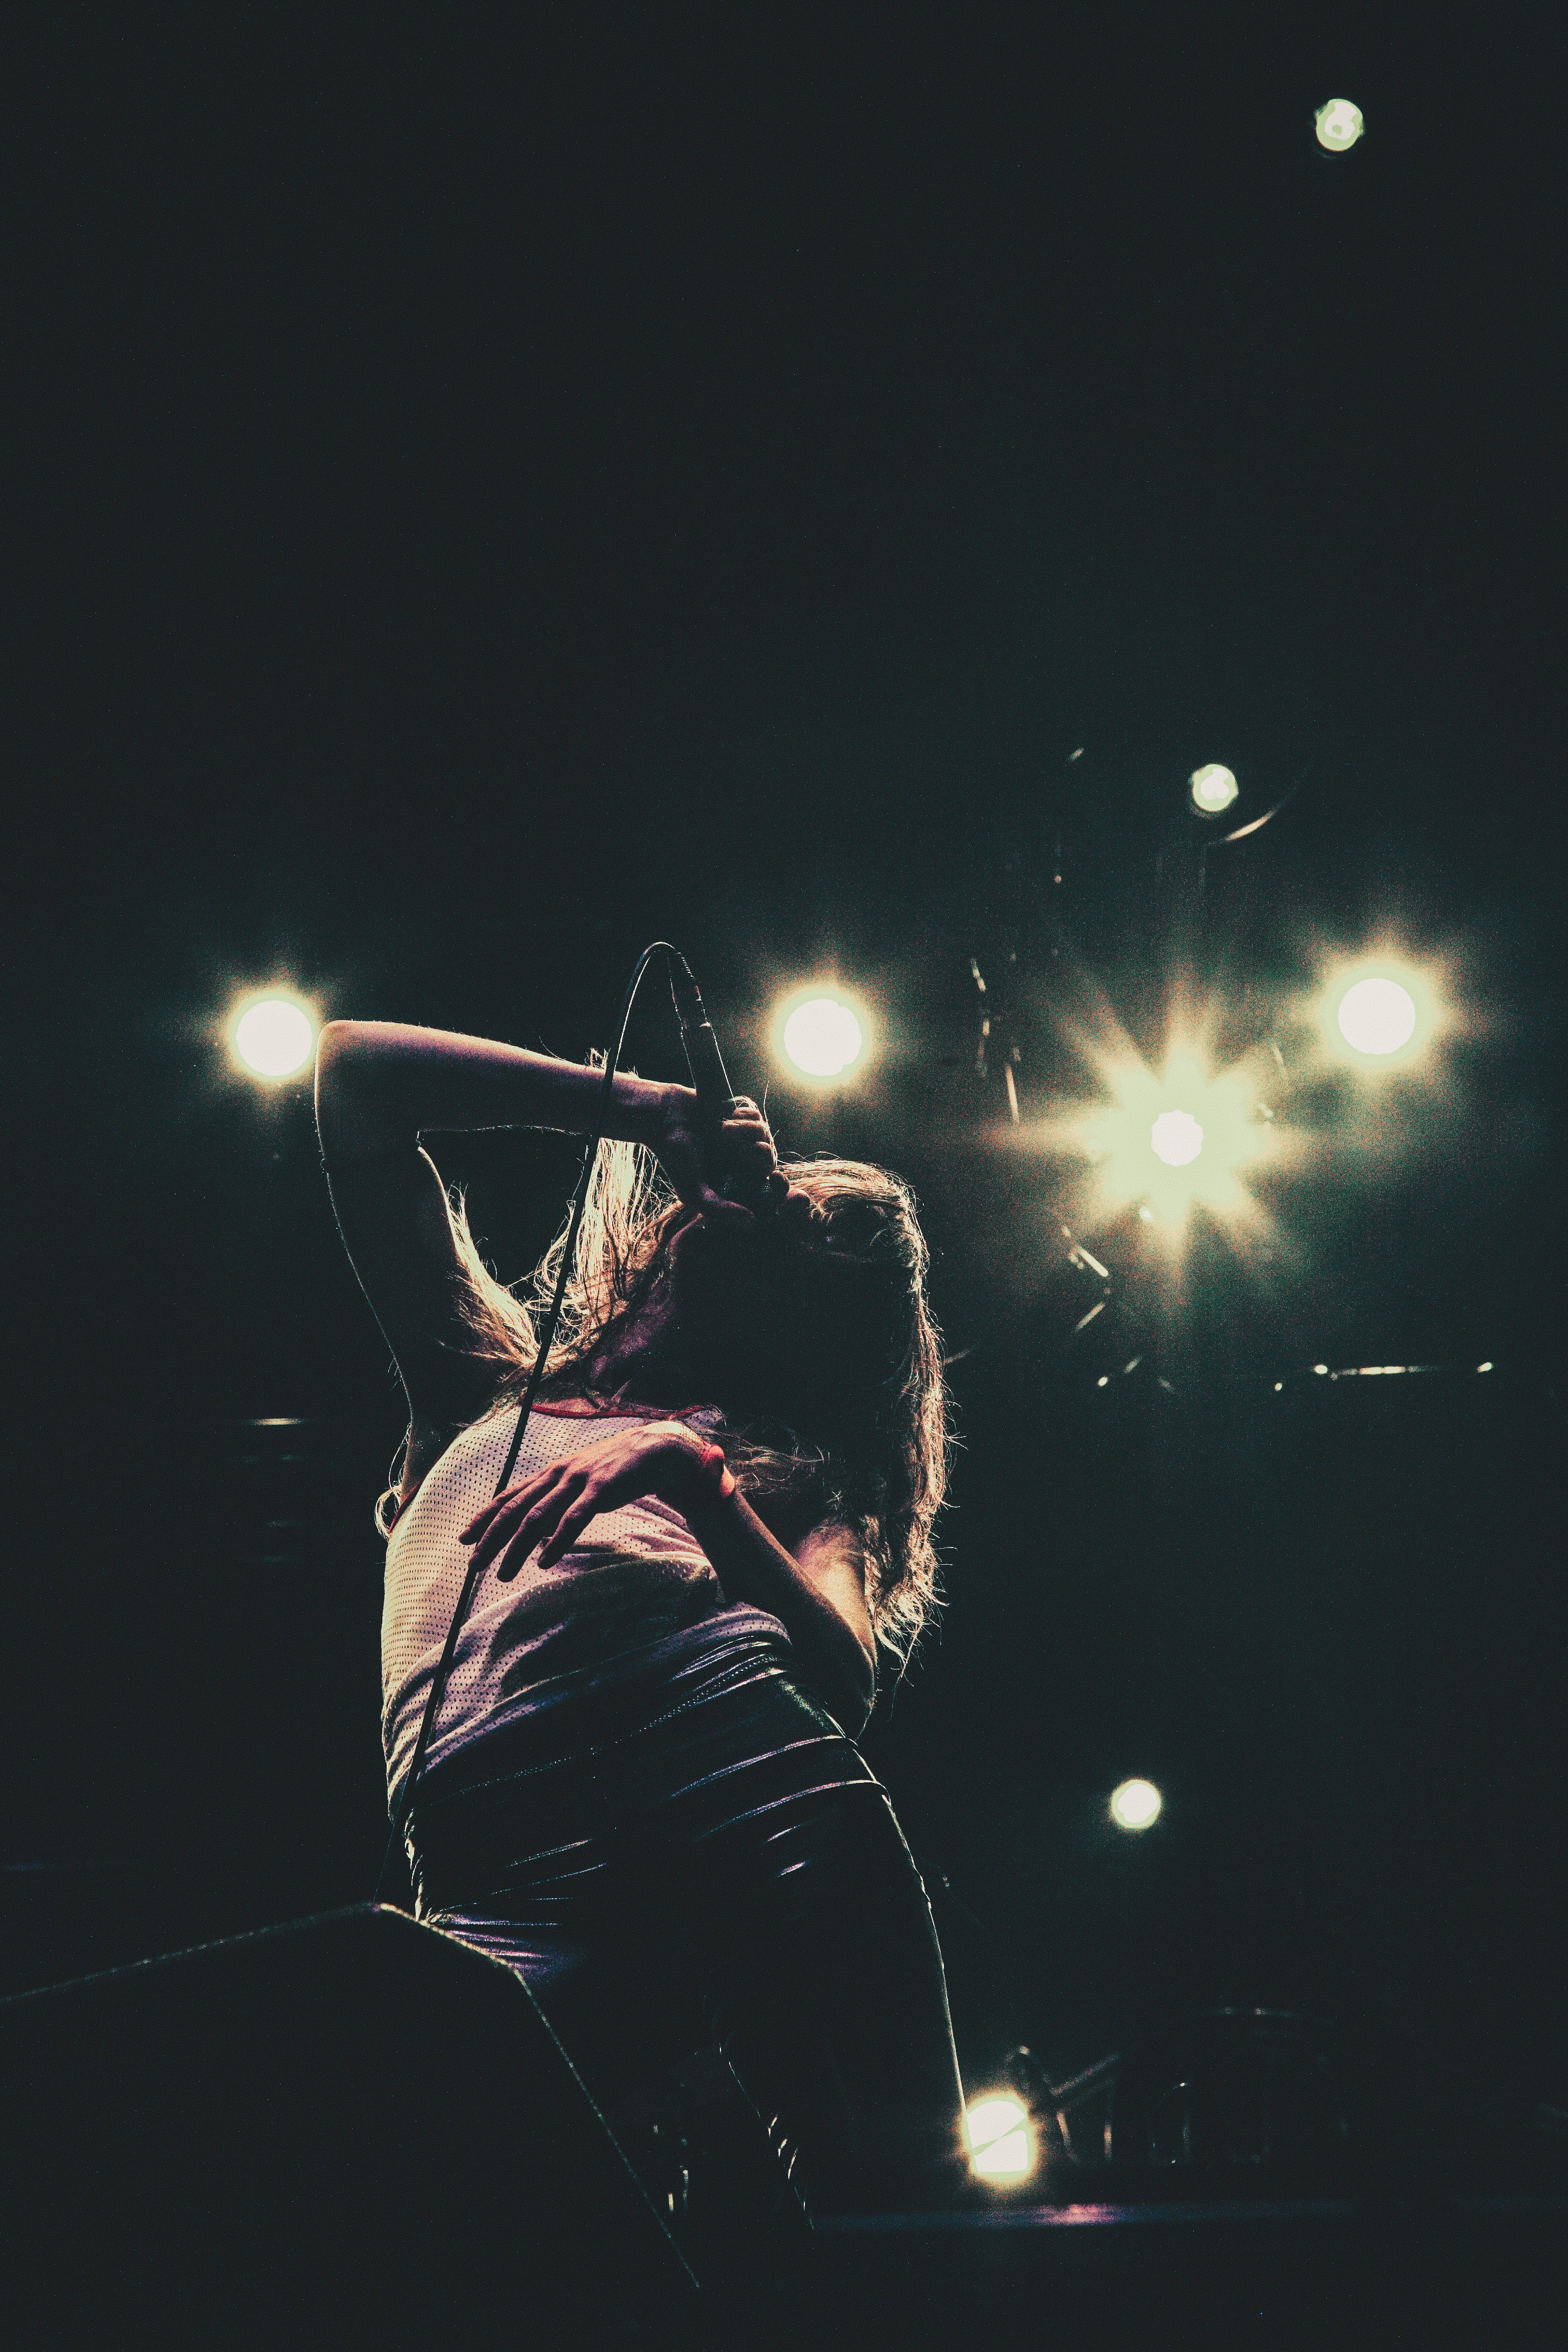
580 1201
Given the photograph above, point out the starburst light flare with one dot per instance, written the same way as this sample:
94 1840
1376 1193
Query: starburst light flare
1175 1136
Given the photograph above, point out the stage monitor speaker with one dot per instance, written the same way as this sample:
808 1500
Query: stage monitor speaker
330 2132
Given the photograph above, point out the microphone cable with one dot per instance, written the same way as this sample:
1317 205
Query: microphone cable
688 1005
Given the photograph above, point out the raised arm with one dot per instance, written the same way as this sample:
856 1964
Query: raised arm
380 1087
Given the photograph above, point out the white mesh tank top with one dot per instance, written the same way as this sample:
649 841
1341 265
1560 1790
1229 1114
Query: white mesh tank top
634 1576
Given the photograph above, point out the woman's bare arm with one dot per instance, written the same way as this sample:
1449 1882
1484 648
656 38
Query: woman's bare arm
817 1592
379 1085
382 1084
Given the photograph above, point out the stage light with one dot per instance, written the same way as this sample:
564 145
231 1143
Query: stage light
1136 1805
1376 1014
1176 1139
1340 125
1000 2138
821 1034
274 1036
1214 789
1172 1137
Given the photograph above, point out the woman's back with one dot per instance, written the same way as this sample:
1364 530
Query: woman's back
636 1575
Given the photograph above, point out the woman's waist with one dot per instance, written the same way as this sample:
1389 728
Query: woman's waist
722 1700
592 1605
604 1700
746 1750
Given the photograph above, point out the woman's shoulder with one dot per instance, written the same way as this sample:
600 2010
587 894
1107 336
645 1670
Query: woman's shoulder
570 1412
588 1404
429 1439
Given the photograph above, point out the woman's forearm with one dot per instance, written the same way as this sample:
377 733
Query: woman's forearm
379 1083
753 1566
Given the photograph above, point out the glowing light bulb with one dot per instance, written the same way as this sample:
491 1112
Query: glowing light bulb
823 1037
275 1037
1214 789
1176 1137
1136 1805
1340 125
1377 1016
1000 2141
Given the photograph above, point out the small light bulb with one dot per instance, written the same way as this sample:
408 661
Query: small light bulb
1377 1016
1000 2143
1136 1804
822 1037
1214 789
274 1038
1340 125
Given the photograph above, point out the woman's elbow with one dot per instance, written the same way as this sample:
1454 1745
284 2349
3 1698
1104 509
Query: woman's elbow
334 1051
855 1693
352 1113
337 1042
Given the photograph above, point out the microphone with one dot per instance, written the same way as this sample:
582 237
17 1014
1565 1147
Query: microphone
709 1079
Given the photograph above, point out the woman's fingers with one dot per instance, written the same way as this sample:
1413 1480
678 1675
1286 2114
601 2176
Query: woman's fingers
747 1138
512 1547
751 1136
524 1492
567 1532
513 1555
548 1510
524 1517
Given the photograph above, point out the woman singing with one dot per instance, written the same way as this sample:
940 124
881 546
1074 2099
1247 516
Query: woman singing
642 1789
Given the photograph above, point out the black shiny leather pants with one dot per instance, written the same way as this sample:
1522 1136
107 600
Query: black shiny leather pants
709 1858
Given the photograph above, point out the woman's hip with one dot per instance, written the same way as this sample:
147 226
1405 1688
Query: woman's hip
568 1813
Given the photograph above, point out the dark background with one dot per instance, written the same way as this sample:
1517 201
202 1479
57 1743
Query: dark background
488 488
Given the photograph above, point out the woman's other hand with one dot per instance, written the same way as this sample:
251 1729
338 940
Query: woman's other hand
548 1511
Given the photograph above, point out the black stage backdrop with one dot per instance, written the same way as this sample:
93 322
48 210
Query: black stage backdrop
487 488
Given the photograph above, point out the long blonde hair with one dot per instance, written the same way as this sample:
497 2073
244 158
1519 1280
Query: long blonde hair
881 1470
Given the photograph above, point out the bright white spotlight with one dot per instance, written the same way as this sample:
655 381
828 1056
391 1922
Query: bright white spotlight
1176 1137
822 1037
1136 1805
1340 125
1214 789
274 1037
1376 1014
1000 2138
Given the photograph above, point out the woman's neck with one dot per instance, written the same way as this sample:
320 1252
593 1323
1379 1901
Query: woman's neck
644 1362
